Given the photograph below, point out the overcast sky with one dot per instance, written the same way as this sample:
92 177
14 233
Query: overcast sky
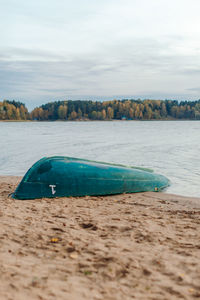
99 49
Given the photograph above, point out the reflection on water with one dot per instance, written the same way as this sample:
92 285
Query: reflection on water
169 147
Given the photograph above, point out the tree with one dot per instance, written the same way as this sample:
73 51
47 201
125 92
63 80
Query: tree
163 112
137 111
131 113
96 110
2 111
23 112
9 112
37 114
93 115
174 111
110 113
103 114
79 114
62 112
148 112
156 114
73 115
17 114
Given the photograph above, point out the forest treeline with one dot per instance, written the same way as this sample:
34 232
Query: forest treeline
13 110
106 110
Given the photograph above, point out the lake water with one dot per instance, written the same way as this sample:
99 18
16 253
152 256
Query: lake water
171 148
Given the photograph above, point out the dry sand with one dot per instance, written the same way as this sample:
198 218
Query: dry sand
138 246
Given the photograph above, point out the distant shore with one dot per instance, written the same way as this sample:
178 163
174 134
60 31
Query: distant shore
88 120
142 246
126 109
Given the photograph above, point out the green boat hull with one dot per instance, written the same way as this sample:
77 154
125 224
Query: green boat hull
66 176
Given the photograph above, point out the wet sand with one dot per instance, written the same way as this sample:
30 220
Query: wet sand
134 246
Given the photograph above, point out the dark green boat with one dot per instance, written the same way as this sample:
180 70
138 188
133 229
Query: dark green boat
61 176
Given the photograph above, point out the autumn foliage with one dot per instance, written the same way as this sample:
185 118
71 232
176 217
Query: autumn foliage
12 110
106 110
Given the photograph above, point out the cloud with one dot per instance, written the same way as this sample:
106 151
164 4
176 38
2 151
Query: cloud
142 67
27 54
97 49
196 89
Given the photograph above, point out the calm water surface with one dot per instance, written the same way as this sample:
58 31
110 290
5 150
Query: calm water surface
170 148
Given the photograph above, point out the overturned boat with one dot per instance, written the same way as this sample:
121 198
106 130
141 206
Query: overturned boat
61 176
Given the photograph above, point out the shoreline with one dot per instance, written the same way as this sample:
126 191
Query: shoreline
142 246
89 120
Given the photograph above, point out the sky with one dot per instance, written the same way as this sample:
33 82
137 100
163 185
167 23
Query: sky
99 49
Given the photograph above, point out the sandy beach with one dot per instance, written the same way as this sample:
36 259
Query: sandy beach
133 246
